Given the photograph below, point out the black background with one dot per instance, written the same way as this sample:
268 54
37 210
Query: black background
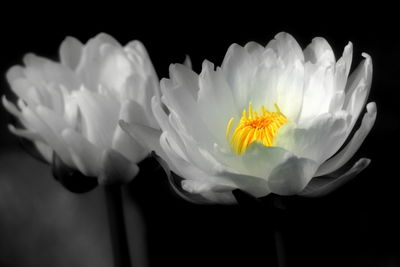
355 226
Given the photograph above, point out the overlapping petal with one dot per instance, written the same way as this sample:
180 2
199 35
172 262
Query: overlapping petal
310 88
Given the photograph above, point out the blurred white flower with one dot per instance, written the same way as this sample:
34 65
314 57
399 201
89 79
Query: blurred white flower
268 120
73 107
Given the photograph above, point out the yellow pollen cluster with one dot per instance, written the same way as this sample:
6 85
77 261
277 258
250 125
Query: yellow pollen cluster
254 127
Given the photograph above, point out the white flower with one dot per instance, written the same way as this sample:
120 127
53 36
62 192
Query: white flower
73 107
267 121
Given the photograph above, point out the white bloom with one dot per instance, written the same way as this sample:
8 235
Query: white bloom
267 121
73 107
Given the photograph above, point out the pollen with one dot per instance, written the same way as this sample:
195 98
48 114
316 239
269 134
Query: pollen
255 127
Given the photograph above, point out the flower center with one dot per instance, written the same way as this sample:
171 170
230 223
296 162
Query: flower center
253 127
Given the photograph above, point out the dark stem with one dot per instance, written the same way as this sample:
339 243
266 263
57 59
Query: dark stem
280 249
246 200
116 222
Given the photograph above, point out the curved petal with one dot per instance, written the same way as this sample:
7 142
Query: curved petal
319 90
319 52
187 62
287 48
290 86
25 91
183 107
45 150
28 134
53 120
141 90
115 168
140 59
259 160
146 136
70 52
10 107
15 72
122 142
254 48
343 66
357 89
215 101
238 67
114 69
88 68
253 185
99 116
350 149
321 186
292 176
163 120
318 140
211 193
85 156
40 71
185 77
37 124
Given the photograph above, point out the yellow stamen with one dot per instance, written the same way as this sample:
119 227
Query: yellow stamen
254 127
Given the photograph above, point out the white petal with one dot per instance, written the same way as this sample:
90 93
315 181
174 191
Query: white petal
317 141
185 77
53 120
350 149
290 90
357 89
131 112
100 116
28 134
70 52
319 90
343 66
254 48
321 186
10 107
54 140
141 89
239 67
146 136
292 176
259 160
196 187
114 68
253 185
212 193
115 168
319 52
188 62
15 72
215 102
92 59
287 48
183 107
264 82
45 150
25 91
342 69
85 156
137 53
163 120
40 71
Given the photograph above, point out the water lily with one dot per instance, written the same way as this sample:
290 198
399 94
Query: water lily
269 120
72 107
